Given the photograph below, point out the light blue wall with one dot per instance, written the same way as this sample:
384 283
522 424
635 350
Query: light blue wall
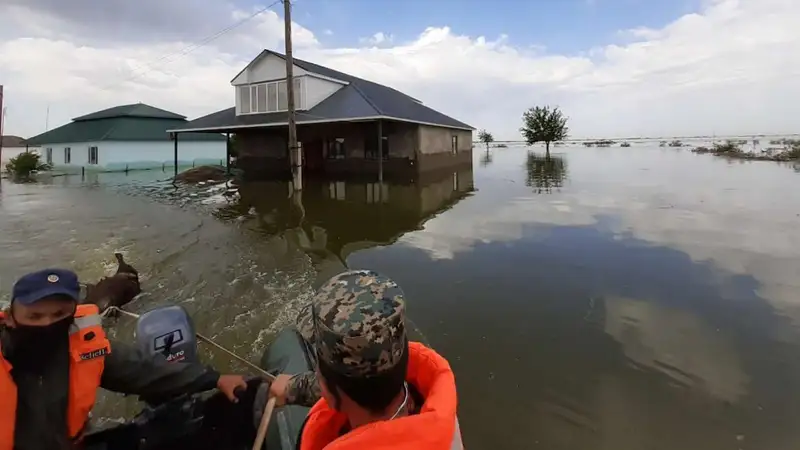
120 156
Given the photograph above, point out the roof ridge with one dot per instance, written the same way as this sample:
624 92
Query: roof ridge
367 99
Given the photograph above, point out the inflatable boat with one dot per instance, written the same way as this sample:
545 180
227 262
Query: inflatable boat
205 420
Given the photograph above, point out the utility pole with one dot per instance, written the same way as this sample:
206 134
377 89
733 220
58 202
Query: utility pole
295 154
2 123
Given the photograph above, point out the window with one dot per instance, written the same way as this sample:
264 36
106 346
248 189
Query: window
48 155
454 144
298 93
335 148
261 97
67 155
244 99
269 97
283 98
272 97
371 147
93 155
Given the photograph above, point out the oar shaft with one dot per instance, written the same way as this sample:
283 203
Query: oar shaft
264 424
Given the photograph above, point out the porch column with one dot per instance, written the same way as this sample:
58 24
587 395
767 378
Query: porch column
175 155
228 153
380 151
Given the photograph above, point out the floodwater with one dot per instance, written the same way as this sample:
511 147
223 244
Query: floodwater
605 298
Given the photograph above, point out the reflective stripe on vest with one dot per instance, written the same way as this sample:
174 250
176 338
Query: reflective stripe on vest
88 347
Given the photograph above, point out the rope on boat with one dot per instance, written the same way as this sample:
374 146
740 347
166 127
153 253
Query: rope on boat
208 341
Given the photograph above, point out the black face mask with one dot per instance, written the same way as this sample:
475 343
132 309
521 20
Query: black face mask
36 343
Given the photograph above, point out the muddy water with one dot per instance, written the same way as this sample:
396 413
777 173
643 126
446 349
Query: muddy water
641 298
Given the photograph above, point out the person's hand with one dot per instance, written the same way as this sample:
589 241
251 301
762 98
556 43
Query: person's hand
279 388
227 384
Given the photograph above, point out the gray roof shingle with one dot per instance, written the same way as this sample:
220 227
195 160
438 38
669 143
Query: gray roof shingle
360 98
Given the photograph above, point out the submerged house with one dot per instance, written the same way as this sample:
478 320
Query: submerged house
345 124
126 137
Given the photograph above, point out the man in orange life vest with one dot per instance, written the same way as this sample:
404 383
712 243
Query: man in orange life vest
55 355
377 389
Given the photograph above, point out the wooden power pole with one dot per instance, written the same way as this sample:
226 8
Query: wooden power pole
295 154
2 123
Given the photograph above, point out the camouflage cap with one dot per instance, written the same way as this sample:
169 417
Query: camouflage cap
357 323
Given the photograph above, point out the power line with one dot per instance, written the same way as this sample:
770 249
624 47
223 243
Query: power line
190 48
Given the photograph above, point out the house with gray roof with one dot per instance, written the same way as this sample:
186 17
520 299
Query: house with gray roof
345 124
126 137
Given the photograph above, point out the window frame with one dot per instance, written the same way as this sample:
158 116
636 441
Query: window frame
67 155
96 159
338 145
250 92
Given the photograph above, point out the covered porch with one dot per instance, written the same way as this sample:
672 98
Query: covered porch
351 148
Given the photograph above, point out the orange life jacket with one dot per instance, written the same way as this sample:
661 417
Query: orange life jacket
88 347
434 428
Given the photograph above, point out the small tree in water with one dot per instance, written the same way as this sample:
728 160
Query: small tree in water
485 137
23 165
542 124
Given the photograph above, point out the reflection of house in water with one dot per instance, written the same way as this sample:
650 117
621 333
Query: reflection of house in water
331 219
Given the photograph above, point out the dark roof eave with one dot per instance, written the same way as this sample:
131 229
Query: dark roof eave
231 127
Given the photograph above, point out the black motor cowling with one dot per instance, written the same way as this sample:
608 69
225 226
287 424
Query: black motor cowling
167 332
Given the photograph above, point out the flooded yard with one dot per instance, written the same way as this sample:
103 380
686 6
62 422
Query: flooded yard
603 298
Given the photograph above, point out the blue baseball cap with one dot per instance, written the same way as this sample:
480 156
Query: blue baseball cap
45 283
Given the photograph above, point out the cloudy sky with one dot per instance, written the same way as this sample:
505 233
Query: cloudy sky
617 67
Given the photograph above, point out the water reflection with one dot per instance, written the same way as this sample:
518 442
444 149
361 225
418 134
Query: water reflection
545 172
331 219
486 159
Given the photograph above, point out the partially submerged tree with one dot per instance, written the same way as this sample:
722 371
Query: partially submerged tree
543 124
26 164
485 137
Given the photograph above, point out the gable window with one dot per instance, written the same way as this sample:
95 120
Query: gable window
335 148
454 144
67 155
269 97
48 155
244 99
93 155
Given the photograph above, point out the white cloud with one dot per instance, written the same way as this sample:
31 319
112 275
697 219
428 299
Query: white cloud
379 38
729 68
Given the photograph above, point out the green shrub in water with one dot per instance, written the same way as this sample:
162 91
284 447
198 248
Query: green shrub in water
25 164
727 148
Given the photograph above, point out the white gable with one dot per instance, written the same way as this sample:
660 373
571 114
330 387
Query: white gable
267 67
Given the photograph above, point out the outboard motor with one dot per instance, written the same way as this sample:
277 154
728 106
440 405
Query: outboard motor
167 332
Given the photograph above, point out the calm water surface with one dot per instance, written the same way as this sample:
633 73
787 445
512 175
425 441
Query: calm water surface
642 298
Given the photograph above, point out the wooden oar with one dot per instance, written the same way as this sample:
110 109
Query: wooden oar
264 424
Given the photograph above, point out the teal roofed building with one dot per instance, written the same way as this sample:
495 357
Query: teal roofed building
127 137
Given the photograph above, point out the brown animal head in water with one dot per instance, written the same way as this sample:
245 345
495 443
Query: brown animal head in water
116 290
